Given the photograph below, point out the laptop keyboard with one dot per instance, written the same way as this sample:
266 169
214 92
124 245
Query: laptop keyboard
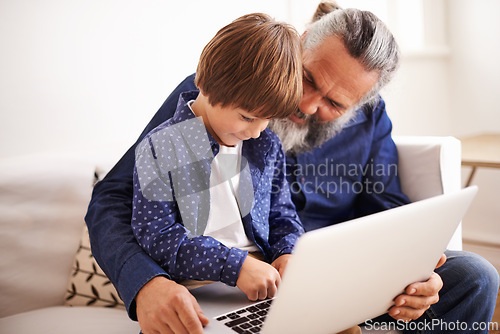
247 320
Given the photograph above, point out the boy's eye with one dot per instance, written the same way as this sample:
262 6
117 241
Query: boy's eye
246 119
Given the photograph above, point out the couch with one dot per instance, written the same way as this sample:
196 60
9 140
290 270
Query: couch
44 197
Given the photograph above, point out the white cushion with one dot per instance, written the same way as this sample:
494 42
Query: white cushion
430 166
74 320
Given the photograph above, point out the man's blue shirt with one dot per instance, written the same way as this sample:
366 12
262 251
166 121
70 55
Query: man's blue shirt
366 142
351 175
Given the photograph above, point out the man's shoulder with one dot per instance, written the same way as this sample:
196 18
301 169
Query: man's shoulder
370 112
168 107
181 114
375 108
368 120
186 85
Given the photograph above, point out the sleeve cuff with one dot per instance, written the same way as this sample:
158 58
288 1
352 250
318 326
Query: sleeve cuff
231 270
287 250
135 273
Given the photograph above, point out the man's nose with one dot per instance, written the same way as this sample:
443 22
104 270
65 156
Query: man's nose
310 102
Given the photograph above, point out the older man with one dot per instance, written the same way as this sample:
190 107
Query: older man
340 157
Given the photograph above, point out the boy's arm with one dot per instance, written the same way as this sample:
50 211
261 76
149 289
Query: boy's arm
166 213
280 263
284 223
158 229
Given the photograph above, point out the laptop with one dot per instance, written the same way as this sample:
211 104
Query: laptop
344 274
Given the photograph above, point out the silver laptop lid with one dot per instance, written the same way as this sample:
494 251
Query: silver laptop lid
345 274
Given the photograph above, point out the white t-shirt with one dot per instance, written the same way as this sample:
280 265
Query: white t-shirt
224 219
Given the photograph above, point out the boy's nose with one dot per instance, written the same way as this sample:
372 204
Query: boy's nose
256 128
254 132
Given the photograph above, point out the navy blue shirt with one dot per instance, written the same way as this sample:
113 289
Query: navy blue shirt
351 175
362 148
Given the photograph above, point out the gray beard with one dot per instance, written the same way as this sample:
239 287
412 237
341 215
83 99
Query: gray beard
300 138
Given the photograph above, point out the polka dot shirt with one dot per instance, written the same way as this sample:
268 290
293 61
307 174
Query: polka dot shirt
172 199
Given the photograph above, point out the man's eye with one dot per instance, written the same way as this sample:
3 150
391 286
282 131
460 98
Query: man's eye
306 78
337 107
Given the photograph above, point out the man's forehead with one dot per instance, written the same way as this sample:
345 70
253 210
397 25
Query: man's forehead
338 75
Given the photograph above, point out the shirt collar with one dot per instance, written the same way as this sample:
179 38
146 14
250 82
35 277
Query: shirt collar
184 112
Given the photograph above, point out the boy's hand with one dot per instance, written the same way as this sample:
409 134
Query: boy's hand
280 263
257 279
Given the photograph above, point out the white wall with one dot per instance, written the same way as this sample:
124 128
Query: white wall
475 66
82 75
78 73
418 97
85 74
475 102
452 87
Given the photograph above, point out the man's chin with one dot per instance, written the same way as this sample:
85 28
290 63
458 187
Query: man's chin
291 134
301 137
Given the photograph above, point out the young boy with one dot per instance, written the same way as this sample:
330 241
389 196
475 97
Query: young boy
209 183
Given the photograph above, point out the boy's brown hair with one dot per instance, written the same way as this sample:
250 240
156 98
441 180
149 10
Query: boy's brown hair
255 64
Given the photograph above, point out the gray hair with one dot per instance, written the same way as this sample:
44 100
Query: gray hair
365 37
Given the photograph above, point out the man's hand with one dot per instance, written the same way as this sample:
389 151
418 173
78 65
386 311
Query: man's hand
258 279
418 297
280 263
166 307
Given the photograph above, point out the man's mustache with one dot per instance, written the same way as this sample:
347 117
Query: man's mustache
309 118
300 115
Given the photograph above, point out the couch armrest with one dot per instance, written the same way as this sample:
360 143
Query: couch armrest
430 166
43 198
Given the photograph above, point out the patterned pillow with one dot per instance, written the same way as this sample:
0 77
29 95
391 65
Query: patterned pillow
88 285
